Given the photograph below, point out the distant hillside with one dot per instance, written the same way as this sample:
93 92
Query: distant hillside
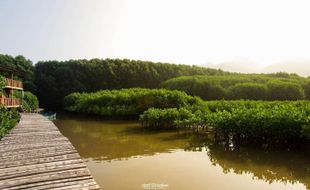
239 66
300 67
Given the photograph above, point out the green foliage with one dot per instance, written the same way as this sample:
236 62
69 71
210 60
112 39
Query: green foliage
281 86
23 65
55 79
263 122
184 117
306 87
285 91
8 119
2 84
248 91
127 102
271 123
206 89
30 102
160 117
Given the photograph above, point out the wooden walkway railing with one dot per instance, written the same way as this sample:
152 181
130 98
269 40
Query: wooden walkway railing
10 83
35 155
10 102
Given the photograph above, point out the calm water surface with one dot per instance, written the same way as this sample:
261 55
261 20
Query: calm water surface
121 155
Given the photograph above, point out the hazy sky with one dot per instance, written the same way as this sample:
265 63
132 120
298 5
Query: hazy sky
260 32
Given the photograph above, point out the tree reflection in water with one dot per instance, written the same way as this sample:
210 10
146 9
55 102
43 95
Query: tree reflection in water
116 140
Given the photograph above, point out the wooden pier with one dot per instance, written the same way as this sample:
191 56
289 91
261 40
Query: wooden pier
35 155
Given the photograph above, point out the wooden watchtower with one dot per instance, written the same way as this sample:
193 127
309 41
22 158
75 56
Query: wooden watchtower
7 98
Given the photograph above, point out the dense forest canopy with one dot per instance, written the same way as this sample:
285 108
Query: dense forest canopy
56 79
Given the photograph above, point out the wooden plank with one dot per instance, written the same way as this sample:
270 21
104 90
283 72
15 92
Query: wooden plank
25 147
55 184
14 173
33 161
35 155
43 165
43 177
42 150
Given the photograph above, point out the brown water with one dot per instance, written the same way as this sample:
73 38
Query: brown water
121 155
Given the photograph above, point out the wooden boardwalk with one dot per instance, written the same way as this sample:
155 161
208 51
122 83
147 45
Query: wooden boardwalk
35 155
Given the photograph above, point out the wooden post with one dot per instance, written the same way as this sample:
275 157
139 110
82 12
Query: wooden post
21 101
11 90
